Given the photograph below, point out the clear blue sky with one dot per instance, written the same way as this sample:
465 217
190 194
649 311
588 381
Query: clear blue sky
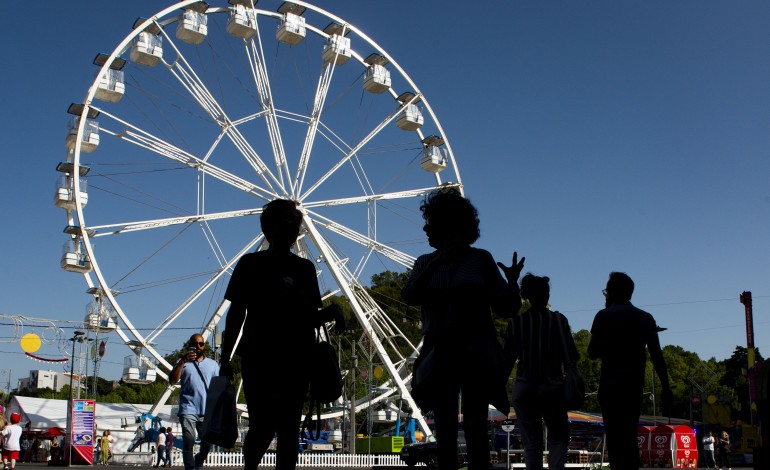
592 136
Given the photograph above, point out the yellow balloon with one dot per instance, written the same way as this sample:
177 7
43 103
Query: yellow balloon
30 342
377 372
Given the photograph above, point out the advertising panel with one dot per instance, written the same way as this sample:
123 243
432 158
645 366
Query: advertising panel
83 418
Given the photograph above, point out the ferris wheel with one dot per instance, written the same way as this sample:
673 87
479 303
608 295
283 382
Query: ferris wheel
203 114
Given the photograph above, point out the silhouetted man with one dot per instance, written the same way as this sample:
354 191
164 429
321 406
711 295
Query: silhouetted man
620 336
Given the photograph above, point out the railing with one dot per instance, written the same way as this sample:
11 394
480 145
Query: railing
308 459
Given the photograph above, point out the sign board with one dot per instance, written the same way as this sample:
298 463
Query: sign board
508 425
83 419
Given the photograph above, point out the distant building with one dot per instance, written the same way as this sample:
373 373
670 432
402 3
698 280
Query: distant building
47 379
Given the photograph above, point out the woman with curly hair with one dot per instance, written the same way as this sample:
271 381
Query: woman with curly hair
458 288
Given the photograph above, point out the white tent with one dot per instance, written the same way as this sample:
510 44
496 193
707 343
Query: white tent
43 413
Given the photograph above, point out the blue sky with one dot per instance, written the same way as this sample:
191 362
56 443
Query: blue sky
592 136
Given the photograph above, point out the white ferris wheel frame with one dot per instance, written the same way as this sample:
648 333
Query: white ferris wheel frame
364 307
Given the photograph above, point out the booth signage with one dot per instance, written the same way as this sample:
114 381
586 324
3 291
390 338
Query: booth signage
83 419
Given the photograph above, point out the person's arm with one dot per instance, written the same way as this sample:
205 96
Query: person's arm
656 355
506 301
236 315
595 343
176 372
512 274
414 291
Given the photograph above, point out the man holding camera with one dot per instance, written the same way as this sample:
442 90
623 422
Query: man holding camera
194 372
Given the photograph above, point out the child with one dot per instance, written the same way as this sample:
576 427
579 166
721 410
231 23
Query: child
11 445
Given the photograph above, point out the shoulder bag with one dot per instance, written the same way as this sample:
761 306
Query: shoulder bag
220 423
325 379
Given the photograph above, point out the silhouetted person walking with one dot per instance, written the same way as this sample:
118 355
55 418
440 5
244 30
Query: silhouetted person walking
537 338
621 335
275 298
458 287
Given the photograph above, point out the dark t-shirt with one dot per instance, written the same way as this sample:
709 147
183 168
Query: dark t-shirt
281 295
620 335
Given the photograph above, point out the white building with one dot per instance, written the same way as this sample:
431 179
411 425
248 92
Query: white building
47 379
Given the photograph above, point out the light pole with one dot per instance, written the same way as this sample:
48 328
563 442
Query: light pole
78 337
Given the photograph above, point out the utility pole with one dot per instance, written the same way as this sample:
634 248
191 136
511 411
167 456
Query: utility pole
76 338
745 298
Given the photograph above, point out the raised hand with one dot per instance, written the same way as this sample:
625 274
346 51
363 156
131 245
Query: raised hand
513 271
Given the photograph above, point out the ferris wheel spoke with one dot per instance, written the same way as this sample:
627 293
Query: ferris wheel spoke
259 73
141 138
203 288
352 151
125 227
395 255
189 80
414 193
324 81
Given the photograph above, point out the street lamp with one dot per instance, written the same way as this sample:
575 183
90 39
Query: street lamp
76 338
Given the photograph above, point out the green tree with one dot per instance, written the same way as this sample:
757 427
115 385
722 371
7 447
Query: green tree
736 377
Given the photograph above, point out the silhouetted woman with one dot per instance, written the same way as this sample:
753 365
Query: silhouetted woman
279 290
458 287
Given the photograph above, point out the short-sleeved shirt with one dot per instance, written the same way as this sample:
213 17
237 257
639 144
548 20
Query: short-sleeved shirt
620 334
161 439
281 296
192 399
540 340
11 437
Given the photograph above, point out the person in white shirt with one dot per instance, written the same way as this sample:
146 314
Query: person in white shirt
11 444
161 443
708 450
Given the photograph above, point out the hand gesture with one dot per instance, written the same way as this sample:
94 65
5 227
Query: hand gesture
513 271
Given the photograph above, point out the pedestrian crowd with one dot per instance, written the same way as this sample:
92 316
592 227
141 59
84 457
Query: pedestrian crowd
462 366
